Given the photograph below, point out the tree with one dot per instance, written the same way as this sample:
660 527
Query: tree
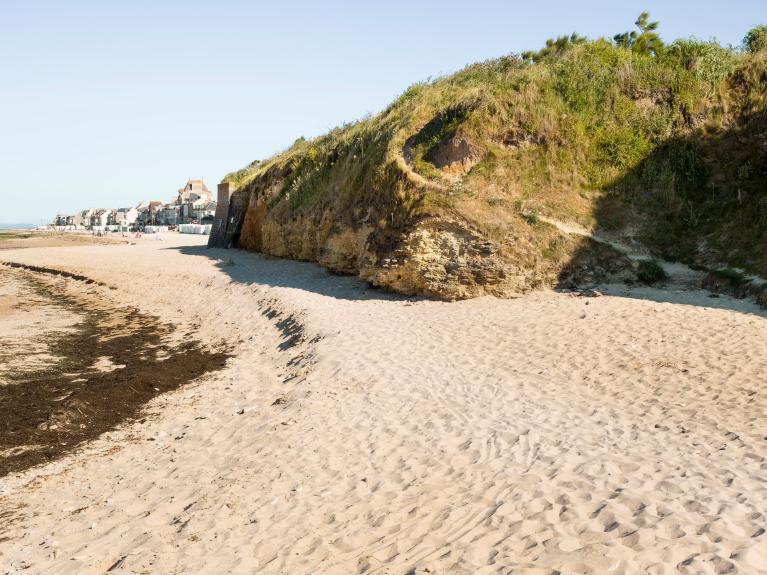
554 47
756 39
646 41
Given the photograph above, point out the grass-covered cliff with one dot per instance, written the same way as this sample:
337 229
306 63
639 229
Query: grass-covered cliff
469 184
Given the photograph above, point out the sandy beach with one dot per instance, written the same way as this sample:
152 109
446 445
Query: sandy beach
356 431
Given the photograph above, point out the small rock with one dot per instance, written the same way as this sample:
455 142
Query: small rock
240 411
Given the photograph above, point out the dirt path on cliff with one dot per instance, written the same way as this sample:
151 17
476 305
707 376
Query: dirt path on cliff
355 431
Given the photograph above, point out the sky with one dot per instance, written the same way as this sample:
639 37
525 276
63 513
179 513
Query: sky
107 103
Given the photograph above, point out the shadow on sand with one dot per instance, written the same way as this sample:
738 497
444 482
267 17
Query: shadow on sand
251 268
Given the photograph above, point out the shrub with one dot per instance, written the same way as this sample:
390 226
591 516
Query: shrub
651 272
707 60
733 277
554 47
756 39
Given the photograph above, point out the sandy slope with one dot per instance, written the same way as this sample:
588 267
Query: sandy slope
549 434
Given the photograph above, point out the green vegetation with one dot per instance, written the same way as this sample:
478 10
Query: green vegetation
733 278
13 235
756 39
730 281
629 133
646 41
651 272
554 47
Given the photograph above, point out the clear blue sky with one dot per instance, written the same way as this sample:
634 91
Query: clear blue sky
107 102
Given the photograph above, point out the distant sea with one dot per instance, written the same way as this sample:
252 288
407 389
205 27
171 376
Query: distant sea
16 226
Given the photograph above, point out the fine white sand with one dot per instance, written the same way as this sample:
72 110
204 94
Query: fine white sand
356 431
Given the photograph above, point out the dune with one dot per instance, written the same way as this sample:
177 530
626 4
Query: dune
357 431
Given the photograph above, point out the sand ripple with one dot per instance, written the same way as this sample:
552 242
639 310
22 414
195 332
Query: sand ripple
356 432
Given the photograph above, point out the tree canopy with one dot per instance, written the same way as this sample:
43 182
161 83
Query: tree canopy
645 40
756 39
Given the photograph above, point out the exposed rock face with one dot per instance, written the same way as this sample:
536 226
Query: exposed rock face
390 239
436 256
344 249
442 259
454 156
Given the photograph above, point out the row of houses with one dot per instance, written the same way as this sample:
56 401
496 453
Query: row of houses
193 204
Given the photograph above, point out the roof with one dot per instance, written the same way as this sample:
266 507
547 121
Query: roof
194 183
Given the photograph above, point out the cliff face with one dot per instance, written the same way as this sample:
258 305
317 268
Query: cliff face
511 176
440 255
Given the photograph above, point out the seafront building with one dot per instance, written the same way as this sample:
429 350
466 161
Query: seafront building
193 204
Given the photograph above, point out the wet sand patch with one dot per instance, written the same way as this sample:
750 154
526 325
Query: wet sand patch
48 409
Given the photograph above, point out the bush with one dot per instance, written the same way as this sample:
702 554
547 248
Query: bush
756 39
728 281
651 272
554 47
708 61
732 277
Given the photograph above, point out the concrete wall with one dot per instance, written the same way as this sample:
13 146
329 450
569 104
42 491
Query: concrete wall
230 210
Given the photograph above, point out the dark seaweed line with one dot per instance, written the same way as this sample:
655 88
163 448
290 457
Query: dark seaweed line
53 271
58 409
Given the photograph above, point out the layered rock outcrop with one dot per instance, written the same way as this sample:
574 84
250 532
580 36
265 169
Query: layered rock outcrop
438 256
